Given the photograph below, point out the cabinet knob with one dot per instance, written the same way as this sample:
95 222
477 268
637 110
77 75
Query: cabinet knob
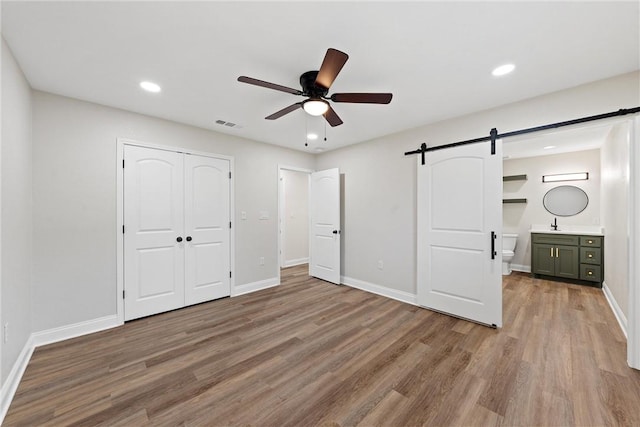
189 238
179 239
590 273
590 255
590 241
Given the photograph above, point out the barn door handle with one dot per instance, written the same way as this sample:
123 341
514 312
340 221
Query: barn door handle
179 239
189 238
493 245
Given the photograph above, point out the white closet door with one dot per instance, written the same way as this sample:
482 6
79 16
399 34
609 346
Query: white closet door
153 219
207 229
460 232
325 225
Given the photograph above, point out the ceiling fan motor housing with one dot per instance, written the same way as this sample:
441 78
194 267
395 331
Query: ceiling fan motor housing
309 87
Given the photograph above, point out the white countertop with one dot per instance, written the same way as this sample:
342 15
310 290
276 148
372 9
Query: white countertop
586 230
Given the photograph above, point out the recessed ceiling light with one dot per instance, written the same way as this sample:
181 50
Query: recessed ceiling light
548 147
150 87
503 69
312 136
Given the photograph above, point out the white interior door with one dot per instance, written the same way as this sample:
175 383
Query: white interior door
153 218
207 229
325 225
459 211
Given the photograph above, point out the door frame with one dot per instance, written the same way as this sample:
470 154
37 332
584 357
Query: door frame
633 325
120 143
281 210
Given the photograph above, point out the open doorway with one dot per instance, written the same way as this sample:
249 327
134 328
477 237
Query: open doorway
603 150
293 216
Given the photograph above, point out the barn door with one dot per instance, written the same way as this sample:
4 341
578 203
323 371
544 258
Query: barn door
460 232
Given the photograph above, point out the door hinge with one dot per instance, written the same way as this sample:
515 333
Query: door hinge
229 275
122 163
229 175
123 294
229 224
123 229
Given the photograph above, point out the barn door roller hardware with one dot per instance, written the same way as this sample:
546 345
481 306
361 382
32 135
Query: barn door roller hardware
493 134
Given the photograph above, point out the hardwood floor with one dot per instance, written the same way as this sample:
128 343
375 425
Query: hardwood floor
312 353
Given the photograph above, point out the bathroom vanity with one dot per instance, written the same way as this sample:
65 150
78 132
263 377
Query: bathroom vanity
574 256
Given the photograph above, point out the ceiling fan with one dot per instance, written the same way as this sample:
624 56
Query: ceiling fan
315 86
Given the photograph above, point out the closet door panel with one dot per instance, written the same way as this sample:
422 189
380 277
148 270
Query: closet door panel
207 227
153 219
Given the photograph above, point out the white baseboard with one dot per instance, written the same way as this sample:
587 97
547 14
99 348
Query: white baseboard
38 339
522 268
402 296
75 330
13 380
254 286
617 311
294 262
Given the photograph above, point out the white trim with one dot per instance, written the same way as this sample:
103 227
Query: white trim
75 330
120 143
617 311
15 375
521 267
248 288
633 325
294 262
401 296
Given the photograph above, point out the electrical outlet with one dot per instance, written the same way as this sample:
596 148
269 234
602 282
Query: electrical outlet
6 333
243 215
380 265
261 260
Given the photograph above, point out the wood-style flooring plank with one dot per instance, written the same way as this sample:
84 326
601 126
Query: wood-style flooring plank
310 353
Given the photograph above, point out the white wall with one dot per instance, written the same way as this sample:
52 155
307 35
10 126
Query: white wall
16 209
379 181
518 218
615 205
74 161
295 217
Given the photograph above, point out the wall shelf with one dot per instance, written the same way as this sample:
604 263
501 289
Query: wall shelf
514 178
514 201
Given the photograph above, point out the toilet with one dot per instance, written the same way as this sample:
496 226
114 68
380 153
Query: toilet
508 250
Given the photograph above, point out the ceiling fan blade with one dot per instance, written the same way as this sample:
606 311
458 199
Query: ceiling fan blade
333 119
362 98
262 83
333 62
284 111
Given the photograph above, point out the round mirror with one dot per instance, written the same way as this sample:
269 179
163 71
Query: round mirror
565 200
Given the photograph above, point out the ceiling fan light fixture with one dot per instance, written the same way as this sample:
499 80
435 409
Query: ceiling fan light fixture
315 107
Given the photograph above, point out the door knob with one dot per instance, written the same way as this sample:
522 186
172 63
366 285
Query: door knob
179 239
189 238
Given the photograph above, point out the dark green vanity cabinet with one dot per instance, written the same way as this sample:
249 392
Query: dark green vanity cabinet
568 256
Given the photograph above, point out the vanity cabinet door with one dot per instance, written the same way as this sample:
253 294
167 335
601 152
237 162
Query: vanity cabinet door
567 262
543 259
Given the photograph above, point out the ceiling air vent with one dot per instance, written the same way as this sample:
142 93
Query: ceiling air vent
228 124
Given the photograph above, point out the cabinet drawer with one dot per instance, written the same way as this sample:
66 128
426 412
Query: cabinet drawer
592 241
590 272
555 239
590 255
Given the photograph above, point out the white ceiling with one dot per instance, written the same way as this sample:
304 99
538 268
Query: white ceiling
435 57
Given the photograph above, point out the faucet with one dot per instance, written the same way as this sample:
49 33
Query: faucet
555 224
